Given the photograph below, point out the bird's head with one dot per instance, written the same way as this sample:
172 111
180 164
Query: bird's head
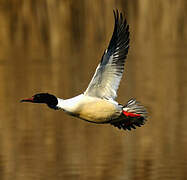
45 98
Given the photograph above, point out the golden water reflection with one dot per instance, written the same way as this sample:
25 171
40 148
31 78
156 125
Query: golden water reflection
55 47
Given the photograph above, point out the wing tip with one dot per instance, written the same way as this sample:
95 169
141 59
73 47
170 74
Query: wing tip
119 16
120 26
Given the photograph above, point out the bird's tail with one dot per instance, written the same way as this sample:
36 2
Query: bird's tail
133 114
134 109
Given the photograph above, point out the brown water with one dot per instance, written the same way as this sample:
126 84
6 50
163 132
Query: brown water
55 46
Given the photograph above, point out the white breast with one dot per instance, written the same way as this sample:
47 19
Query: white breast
90 108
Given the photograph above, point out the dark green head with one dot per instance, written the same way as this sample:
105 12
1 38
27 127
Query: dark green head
45 98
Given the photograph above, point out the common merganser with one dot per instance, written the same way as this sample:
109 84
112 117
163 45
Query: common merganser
97 104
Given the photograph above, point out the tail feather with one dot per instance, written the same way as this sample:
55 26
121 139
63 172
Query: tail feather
133 114
135 107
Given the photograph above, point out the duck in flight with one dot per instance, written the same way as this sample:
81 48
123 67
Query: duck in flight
97 104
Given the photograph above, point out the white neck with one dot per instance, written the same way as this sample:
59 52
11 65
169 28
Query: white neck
70 105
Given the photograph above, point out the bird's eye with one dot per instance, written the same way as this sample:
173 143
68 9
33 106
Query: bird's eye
37 96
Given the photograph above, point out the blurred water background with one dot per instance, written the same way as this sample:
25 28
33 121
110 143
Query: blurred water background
55 46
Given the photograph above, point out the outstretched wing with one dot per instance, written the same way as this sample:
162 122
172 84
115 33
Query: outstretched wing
106 79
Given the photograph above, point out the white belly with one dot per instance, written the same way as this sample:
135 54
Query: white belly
91 108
